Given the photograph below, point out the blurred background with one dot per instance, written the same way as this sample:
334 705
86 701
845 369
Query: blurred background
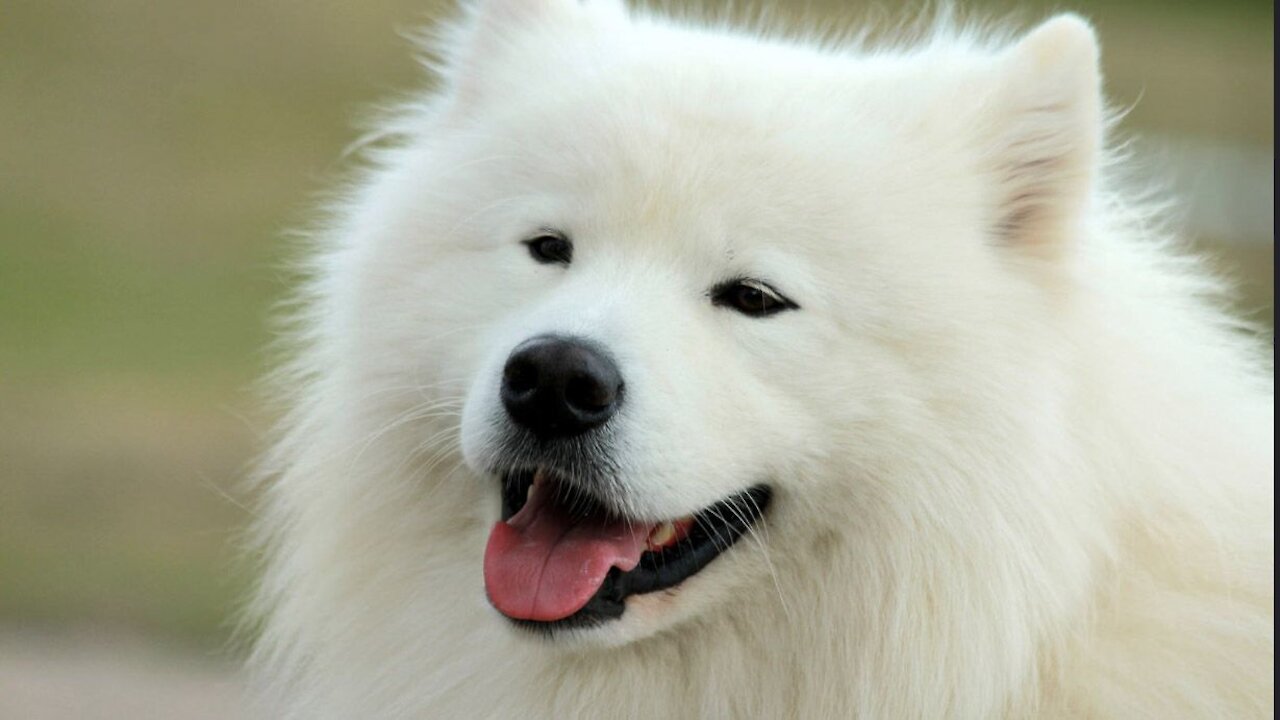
153 156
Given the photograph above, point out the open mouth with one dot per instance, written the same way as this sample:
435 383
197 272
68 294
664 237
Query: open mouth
558 558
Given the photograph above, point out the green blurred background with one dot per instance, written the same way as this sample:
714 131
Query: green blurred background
152 157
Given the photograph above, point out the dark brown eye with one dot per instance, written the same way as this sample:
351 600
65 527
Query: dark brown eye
550 248
751 297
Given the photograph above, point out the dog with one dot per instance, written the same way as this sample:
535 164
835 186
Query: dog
651 368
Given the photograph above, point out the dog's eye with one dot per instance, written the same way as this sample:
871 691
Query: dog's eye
550 248
751 297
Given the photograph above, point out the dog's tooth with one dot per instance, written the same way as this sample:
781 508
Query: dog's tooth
662 535
539 475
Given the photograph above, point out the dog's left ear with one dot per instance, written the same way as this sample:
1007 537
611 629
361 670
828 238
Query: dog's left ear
494 46
1047 133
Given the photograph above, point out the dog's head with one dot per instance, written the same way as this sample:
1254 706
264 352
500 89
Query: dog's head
702 300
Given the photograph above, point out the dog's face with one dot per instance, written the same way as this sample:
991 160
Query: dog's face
690 294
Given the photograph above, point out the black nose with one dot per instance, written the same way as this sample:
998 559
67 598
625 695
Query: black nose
559 386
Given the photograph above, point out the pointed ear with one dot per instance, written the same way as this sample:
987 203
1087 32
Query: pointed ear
481 48
1048 128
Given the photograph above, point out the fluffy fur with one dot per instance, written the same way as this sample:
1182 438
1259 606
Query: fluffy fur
1022 459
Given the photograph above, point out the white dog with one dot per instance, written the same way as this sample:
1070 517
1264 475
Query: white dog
655 371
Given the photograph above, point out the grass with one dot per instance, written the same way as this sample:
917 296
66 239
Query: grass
151 156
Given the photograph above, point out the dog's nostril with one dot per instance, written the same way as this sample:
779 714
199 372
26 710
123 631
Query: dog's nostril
589 393
520 377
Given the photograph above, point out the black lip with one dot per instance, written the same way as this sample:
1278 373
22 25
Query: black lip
715 529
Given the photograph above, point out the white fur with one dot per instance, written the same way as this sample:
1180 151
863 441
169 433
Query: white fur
1022 459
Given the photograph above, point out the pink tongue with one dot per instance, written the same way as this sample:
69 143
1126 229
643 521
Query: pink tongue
544 565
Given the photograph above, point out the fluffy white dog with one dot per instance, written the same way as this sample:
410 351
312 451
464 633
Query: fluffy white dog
657 371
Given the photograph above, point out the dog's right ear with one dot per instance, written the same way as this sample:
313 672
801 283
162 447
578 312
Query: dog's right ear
497 43
1046 134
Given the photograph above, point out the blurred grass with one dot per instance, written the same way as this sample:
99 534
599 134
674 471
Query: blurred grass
152 153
